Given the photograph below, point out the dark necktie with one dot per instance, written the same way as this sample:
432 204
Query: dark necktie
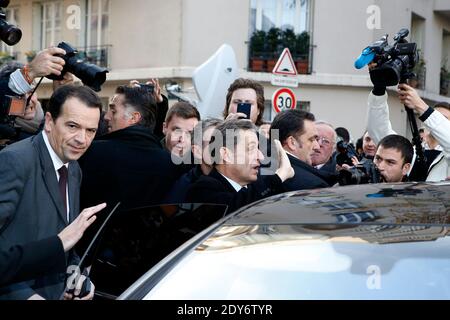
63 184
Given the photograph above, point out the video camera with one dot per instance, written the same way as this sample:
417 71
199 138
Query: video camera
394 62
90 74
345 152
364 172
394 65
9 33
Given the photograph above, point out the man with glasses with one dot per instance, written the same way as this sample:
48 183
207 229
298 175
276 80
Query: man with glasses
323 158
299 138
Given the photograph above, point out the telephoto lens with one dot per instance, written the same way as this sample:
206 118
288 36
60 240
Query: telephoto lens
9 34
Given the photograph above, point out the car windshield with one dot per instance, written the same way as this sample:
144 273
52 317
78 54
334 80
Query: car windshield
314 262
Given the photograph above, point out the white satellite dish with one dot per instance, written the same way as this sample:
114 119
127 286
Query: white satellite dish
212 80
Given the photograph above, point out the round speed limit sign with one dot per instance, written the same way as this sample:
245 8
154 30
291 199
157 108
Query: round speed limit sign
283 99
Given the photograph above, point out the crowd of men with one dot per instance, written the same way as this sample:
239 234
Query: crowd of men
80 159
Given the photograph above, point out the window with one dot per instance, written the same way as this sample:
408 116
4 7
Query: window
418 36
283 14
269 112
418 31
51 23
275 25
95 37
445 64
97 22
12 16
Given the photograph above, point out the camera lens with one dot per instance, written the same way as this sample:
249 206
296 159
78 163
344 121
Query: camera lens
4 3
90 74
10 34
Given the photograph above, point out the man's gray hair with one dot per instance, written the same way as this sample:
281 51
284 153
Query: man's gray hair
330 125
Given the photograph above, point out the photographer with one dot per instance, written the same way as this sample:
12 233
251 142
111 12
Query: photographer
21 81
393 158
435 120
391 163
16 80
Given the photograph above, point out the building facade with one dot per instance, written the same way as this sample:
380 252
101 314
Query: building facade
141 39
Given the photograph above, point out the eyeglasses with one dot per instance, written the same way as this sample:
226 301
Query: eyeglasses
324 141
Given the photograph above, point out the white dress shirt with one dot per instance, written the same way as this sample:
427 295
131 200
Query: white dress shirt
235 185
57 164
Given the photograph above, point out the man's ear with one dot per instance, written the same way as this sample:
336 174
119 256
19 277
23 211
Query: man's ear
48 122
226 155
135 117
290 143
406 168
164 128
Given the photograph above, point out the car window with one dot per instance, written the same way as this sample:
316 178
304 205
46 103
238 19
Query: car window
135 240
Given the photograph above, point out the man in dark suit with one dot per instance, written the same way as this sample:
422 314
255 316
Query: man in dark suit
298 135
40 181
128 164
234 180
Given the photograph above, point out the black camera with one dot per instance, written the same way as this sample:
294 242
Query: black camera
9 33
394 62
150 88
90 74
364 172
345 153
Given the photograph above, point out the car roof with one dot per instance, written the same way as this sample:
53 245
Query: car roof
401 203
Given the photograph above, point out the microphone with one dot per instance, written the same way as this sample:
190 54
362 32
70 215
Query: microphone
365 58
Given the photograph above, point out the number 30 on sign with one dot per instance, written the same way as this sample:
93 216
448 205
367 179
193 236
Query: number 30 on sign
283 99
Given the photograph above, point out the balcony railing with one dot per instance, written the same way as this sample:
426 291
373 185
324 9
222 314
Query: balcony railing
98 55
265 62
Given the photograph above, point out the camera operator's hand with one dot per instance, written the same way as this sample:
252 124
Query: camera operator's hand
285 170
156 92
372 65
67 79
355 161
133 84
46 62
410 98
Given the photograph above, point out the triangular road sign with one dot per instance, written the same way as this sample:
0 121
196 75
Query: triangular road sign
285 65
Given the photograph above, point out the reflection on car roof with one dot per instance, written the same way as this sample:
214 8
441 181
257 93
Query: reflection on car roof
403 204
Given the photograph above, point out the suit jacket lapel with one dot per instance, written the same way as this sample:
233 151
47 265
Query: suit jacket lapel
49 176
215 174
